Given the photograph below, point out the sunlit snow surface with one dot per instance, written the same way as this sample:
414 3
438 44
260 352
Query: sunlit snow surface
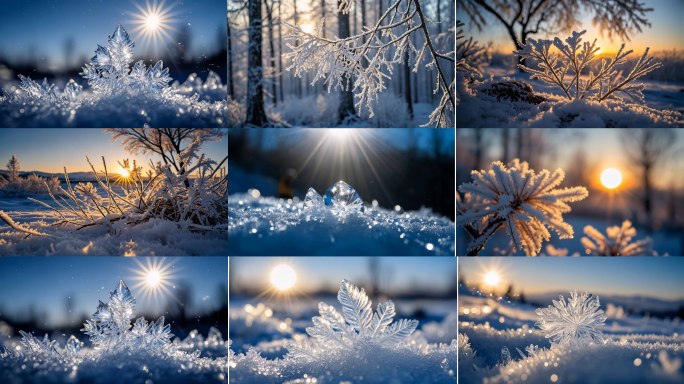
636 349
270 226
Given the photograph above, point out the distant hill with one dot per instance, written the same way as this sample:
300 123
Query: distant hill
73 176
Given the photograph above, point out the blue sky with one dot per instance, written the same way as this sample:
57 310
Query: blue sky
50 149
666 31
659 277
399 274
44 283
45 25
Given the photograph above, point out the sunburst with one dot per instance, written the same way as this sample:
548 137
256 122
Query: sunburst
153 23
154 278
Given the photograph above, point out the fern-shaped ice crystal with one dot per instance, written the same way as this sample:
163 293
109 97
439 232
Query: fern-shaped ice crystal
566 68
356 325
516 199
110 329
616 242
576 321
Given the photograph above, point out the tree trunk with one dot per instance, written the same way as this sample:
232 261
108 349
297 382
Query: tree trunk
346 108
648 196
271 46
297 80
231 86
280 50
505 138
407 84
256 116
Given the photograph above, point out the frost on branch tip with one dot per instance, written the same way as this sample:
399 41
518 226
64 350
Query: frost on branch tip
518 200
576 321
616 242
356 326
576 58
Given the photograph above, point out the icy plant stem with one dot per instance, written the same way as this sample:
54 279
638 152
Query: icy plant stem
19 227
481 239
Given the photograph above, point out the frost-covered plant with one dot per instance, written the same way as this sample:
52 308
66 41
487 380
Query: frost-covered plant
470 55
516 199
367 59
566 68
356 326
577 321
616 242
26 186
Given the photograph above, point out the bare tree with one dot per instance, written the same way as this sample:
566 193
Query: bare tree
231 86
523 18
168 143
256 115
271 39
647 148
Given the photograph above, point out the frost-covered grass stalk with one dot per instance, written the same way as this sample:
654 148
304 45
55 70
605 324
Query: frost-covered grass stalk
367 59
196 198
515 199
573 60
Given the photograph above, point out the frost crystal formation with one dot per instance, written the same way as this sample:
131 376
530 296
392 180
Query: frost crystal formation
121 352
523 203
342 199
356 325
129 94
616 242
577 321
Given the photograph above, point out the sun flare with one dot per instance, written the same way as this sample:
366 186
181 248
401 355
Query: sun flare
283 277
153 22
154 278
611 178
124 173
307 27
492 278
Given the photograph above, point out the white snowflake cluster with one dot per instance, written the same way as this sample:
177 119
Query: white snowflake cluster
577 321
574 58
616 242
516 199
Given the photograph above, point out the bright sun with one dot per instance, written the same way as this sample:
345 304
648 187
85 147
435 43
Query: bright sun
283 277
152 22
124 173
492 278
611 178
307 28
154 278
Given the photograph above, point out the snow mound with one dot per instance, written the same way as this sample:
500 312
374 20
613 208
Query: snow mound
270 226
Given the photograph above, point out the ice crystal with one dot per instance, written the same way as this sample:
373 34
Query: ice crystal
577 321
343 199
313 199
356 325
616 242
521 202
574 58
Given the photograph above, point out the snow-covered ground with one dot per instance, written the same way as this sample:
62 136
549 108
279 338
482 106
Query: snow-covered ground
271 345
273 226
500 343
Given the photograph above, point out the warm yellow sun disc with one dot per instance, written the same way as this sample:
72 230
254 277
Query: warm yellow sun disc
611 178
492 278
283 277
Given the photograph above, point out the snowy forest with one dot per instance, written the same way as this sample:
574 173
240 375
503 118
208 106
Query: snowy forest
604 192
341 63
577 63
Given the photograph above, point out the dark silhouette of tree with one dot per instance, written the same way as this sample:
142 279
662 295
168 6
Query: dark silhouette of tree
256 115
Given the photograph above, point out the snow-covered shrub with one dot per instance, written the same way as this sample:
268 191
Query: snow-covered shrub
616 242
515 199
28 186
579 320
119 95
121 352
355 345
572 60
